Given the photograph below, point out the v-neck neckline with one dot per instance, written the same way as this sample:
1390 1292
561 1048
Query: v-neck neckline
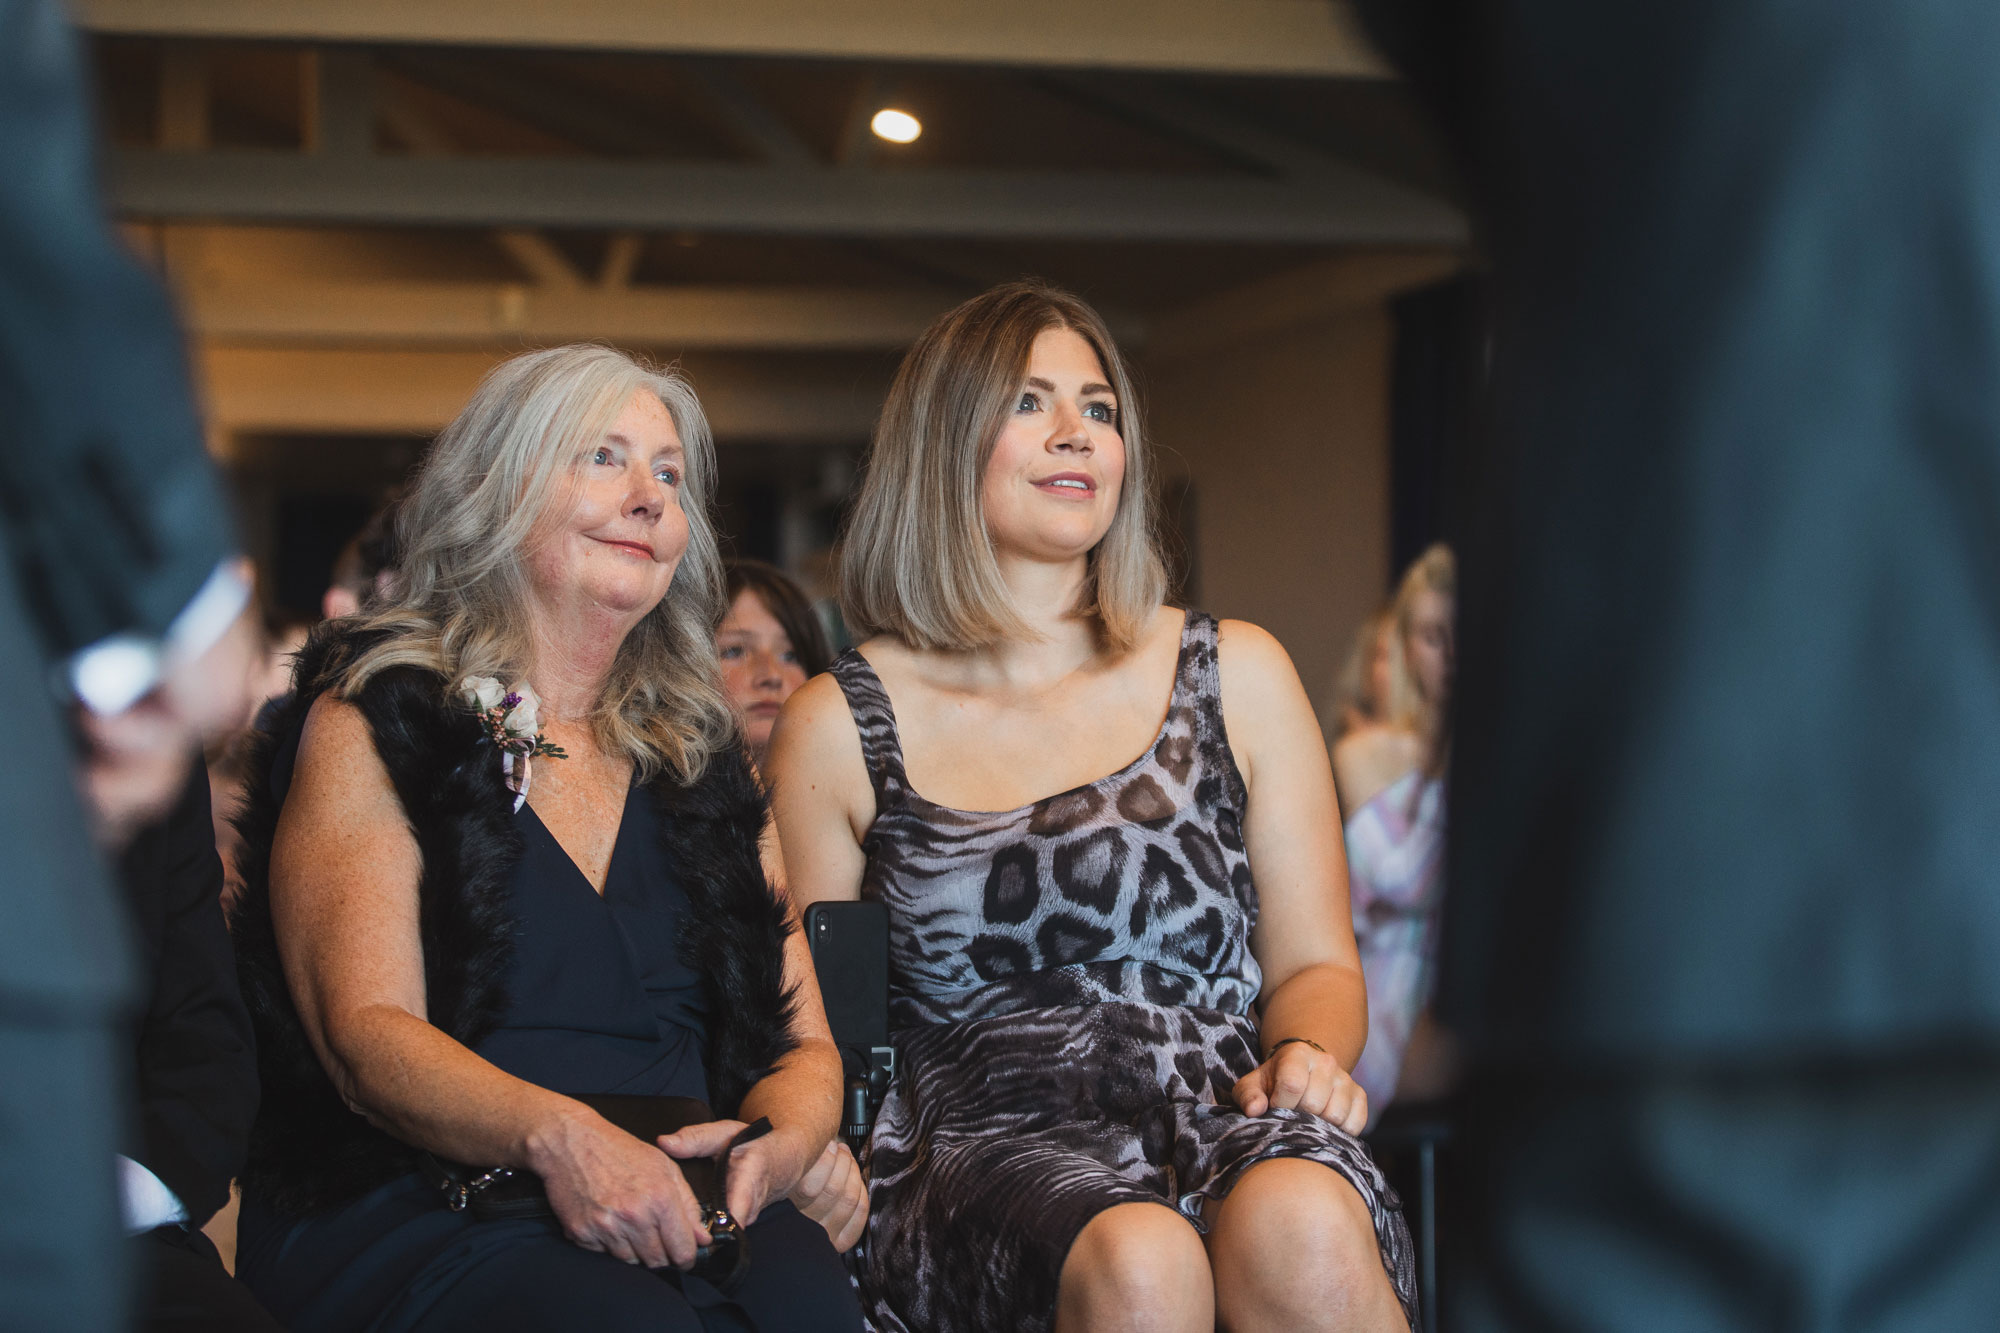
617 845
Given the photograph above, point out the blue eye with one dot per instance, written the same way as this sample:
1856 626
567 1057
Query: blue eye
1028 403
600 455
1104 412
669 476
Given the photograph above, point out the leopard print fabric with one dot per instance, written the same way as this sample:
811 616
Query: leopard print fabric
1070 993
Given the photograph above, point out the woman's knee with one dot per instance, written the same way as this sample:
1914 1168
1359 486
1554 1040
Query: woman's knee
1296 1235
1139 1266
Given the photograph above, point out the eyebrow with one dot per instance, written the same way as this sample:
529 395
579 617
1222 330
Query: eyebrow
1037 382
613 437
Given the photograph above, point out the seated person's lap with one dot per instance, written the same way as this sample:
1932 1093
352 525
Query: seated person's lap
795 1284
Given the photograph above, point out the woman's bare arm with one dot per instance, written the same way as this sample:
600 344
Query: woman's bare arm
1304 937
344 875
822 804
820 794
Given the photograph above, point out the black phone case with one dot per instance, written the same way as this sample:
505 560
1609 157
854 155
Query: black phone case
850 953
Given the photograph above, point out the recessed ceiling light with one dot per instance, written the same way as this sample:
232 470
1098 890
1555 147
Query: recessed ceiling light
896 126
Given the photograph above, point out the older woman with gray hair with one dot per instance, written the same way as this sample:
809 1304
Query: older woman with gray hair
506 931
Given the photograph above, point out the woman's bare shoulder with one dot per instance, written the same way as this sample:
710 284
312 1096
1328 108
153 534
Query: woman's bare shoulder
338 769
1370 759
1379 742
816 708
1261 691
816 737
1248 650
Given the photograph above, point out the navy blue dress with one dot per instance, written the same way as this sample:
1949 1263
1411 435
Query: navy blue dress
600 1001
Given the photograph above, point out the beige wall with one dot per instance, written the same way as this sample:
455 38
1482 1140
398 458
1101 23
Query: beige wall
1285 436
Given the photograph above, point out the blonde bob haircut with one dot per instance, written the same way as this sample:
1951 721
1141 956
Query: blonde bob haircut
497 481
916 561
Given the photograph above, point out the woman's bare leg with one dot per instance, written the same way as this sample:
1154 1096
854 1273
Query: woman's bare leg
1136 1268
1293 1247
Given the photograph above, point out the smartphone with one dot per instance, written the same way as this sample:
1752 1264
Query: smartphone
850 953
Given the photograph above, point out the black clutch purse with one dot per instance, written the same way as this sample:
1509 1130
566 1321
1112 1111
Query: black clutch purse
502 1192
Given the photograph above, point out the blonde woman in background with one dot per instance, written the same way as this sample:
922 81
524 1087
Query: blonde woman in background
1391 777
1361 695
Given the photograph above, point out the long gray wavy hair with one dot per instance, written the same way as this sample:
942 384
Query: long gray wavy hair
499 473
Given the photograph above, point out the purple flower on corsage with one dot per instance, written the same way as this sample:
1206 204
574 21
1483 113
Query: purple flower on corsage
513 721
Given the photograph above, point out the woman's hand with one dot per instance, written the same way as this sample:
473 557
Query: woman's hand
833 1194
619 1195
761 1170
1297 1077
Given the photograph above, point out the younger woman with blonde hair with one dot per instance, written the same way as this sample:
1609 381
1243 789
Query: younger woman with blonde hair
1124 990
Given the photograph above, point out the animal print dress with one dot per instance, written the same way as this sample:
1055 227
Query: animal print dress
1070 992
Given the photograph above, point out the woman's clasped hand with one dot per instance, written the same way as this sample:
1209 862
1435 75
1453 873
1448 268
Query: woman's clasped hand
619 1194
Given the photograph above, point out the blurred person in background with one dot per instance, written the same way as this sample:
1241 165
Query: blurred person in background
366 564
466 905
770 642
226 754
362 572
118 578
1361 695
1724 901
284 636
1391 778
1410 668
1123 983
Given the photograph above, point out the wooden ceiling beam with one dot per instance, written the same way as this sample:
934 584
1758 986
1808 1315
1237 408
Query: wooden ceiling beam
416 391
1301 38
538 257
621 258
1341 206
492 314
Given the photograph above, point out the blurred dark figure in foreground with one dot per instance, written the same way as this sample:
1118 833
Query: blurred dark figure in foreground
115 579
197 1076
1725 863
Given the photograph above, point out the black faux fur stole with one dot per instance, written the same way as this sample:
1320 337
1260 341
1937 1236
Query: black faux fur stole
308 1151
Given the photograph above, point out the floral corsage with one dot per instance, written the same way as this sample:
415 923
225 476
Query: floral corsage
513 721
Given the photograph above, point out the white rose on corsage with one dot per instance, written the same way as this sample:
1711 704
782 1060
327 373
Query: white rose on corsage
482 692
513 722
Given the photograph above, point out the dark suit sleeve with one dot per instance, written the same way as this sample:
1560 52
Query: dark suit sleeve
112 515
197 1067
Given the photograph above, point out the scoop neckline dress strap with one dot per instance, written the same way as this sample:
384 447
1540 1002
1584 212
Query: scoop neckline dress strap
882 745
